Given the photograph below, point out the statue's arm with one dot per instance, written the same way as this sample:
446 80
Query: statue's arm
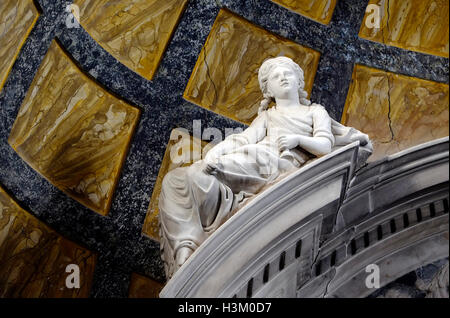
252 135
322 140
318 146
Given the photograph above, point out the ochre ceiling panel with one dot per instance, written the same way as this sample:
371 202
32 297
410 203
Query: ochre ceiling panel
144 287
416 25
317 10
225 77
135 32
33 257
396 111
73 132
17 18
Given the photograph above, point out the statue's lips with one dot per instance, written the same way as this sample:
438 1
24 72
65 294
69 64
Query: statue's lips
284 84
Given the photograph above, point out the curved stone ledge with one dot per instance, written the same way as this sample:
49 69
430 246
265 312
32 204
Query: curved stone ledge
274 223
393 178
292 240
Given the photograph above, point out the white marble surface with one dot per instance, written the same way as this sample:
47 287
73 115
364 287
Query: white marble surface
196 200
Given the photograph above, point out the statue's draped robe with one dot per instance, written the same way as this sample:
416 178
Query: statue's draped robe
190 197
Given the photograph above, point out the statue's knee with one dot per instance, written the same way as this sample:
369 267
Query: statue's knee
171 177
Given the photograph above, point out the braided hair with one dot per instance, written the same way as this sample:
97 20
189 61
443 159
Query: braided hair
263 76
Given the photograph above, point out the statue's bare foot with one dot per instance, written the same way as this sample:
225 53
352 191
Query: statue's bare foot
183 254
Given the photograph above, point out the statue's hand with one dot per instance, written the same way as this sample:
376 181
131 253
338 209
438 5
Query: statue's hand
287 142
210 168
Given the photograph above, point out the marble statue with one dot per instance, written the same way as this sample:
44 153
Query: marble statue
196 200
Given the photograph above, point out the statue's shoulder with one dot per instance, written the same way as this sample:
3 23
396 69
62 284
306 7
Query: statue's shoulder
260 119
318 109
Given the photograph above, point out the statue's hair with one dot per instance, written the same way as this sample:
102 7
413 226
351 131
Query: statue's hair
263 76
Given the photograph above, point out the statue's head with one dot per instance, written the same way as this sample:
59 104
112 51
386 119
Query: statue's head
273 65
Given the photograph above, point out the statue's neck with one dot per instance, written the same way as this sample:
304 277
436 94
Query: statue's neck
288 104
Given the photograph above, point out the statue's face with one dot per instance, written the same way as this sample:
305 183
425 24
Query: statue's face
283 83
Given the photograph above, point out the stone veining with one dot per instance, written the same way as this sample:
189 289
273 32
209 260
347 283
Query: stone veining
17 18
33 257
317 10
181 151
135 32
73 132
416 25
397 111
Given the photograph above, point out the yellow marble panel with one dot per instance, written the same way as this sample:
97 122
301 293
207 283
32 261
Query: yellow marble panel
135 32
416 25
225 77
144 287
181 151
73 132
33 257
417 109
317 10
17 18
